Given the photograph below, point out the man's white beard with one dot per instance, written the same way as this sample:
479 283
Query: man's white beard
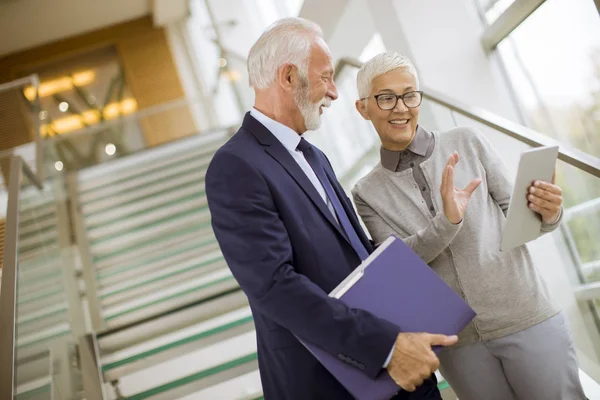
309 111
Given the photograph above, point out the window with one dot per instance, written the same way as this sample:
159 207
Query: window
552 60
221 66
492 9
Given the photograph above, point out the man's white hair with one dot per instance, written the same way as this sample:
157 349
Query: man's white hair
287 41
379 65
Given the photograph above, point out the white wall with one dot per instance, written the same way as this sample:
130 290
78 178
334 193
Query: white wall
353 30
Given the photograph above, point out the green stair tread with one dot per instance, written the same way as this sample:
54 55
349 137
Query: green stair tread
163 256
159 278
39 296
161 221
47 388
41 340
148 196
173 296
168 203
193 166
153 242
194 377
178 343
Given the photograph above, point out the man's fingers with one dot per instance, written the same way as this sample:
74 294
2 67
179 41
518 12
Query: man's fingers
441 340
409 387
474 184
456 157
554 177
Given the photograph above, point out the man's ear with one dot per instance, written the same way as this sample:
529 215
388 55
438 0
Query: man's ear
361 107
287 76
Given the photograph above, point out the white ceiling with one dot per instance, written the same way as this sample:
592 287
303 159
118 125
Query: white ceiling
29 23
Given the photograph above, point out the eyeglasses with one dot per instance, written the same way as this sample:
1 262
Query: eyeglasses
388 101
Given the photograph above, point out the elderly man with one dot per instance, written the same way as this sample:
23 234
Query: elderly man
518 346
290 235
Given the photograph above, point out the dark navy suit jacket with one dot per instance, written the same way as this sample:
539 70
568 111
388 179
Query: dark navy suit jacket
287 252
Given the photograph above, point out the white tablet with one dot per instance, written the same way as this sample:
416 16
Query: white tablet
522 224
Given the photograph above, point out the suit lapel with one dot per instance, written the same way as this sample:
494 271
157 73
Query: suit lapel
276 150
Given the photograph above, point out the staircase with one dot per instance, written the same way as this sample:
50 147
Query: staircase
174 322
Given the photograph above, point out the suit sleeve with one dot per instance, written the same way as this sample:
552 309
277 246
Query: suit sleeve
256 246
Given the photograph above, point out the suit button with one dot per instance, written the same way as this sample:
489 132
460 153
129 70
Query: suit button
431 208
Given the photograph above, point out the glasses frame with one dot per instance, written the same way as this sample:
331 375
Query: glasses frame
398 96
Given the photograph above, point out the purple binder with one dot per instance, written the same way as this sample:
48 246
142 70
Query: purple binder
395 284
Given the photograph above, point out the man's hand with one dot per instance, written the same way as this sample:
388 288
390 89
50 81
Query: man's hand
545 199
455 200
413 361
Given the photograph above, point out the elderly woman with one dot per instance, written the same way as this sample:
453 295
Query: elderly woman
519 345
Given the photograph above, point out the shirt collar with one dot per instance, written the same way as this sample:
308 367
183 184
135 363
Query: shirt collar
286 135
419 145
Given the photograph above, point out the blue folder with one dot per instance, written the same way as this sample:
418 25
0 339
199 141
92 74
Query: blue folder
395 284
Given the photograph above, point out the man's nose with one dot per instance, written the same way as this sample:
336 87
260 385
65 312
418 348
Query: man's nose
332 91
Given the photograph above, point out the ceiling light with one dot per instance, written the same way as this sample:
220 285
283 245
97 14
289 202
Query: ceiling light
110 149
58 165
57 85
63 106
222 62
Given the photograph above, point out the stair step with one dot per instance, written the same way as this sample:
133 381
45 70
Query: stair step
44 335
180 295
148 245
148 218
160 258
142 233
194 371
147 277
244 387
177 343
116 340
93 179
40 388
154 285
144 205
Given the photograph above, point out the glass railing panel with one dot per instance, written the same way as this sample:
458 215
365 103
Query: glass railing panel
41 304
123 131
44 309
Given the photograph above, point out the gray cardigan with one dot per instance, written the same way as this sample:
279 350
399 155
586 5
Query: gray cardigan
504 288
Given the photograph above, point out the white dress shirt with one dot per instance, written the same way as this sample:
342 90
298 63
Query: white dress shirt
290 140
